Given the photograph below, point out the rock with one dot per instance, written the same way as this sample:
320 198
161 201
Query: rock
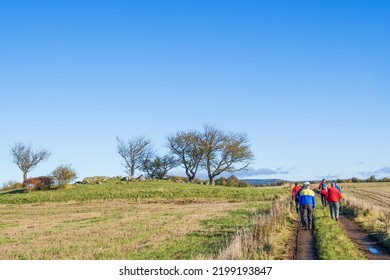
142 178
127 179
95 180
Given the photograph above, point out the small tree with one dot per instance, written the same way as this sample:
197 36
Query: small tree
233 181
186 146
63 175
134 152
371 179
355 180
27 159
159 166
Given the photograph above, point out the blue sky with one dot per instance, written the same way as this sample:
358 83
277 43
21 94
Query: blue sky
308 81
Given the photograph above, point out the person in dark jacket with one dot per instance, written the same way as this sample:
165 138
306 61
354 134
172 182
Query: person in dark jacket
333 197
307 202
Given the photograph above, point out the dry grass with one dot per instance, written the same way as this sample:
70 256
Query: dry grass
266 239
377 194
98 230
369 204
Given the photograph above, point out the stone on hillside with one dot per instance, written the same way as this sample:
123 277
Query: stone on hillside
141 178
95 180
127 178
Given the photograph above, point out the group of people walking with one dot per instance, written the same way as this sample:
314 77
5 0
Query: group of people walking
305 201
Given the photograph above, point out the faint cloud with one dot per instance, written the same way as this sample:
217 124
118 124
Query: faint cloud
383 170
261 172
360 162
364 174
329 176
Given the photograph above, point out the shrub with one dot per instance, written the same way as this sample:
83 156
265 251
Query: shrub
12 185
233 181
244 184
38 183
221 181
63 174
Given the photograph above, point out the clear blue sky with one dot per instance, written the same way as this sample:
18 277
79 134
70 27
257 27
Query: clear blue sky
308 81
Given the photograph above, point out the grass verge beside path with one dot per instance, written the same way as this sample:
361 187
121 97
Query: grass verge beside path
331 240
268 238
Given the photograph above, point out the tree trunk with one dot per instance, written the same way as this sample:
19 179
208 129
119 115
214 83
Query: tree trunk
24 182
132 170
211 180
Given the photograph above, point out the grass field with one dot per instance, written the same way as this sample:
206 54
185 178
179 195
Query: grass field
369 205
374 194
137 220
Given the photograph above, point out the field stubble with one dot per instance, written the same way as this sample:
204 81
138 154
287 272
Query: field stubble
97 230
145 222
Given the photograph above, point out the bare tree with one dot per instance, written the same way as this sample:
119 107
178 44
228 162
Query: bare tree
186 146
26 158
134 152
159 166
224 152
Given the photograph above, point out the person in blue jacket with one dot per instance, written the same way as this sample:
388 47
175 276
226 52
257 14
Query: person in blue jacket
336 186
307 201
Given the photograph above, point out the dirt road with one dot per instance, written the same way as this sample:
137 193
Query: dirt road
305 248
305 245
372 250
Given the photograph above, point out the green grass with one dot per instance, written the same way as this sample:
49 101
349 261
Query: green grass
332 241
207 242
154 192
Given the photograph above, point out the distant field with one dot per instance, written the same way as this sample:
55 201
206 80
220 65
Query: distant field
377 194
139 220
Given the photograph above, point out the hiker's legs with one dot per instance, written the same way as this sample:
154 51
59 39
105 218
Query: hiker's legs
310 216
336 210
323 200
304 212
332 209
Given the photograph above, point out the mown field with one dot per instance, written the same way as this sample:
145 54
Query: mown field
369 205
375 194
137 220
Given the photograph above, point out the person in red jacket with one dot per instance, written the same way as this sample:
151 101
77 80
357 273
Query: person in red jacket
294 196
323 189
333 197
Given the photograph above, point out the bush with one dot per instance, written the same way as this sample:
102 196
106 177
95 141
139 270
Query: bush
63 174
244 184
233 181
221 181
42 183
12 185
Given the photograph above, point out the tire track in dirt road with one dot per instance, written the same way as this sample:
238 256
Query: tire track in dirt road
305 248
372 249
